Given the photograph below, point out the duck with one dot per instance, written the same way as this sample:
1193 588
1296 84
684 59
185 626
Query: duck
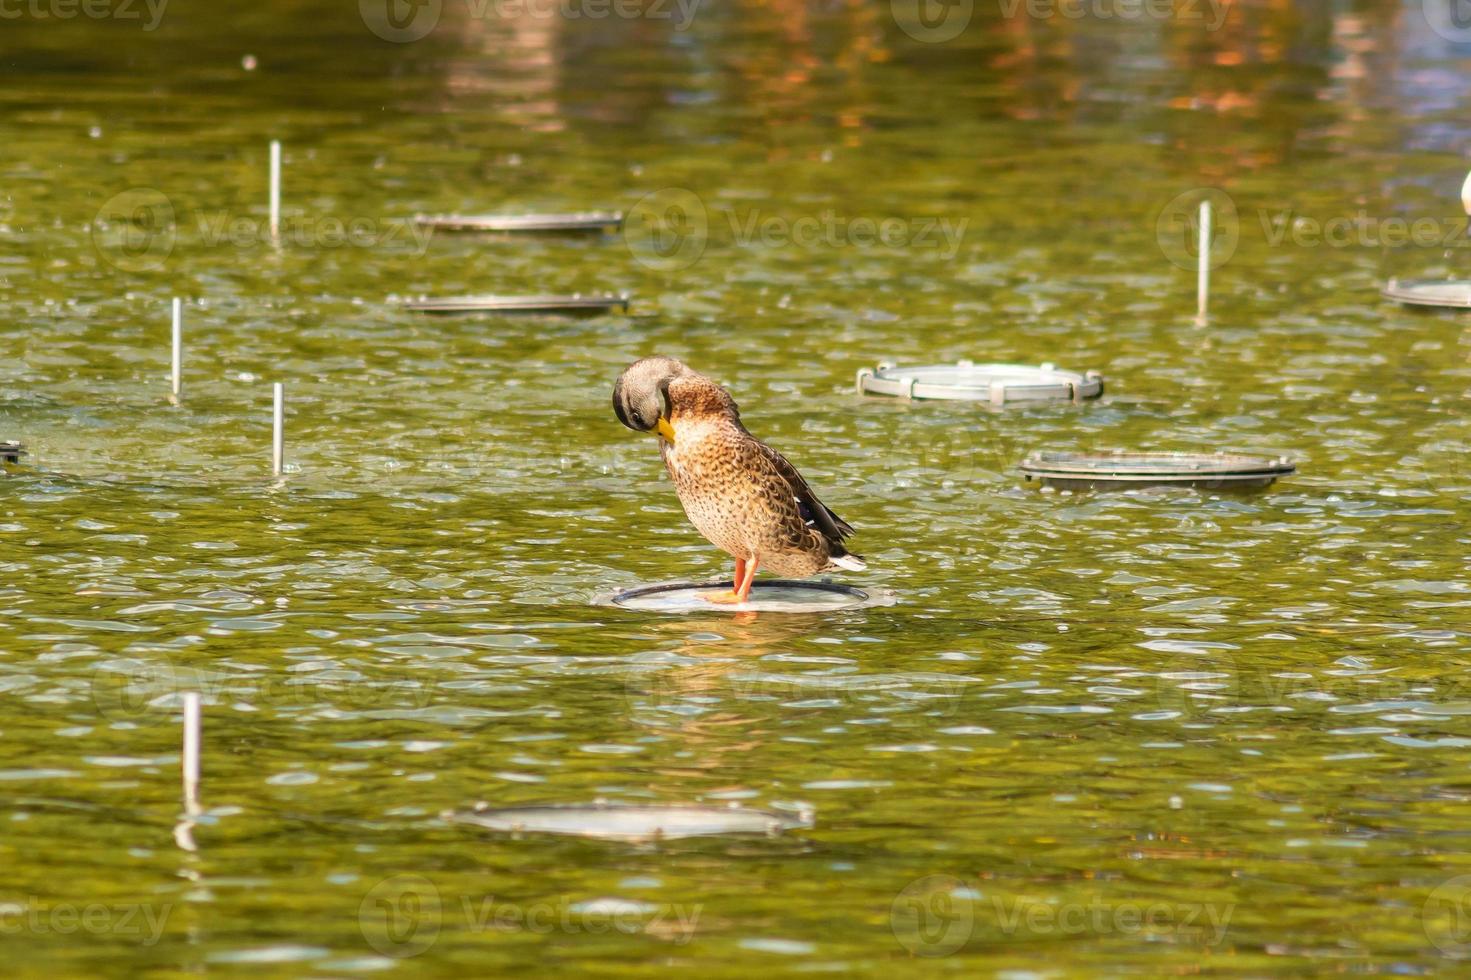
742 495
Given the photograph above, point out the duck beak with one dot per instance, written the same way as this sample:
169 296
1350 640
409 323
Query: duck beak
665 430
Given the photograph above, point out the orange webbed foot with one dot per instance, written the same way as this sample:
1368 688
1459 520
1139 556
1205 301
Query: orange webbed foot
740 586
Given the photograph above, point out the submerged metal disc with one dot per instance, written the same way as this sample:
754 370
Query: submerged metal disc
994 383
518 304
581 221
617 821
1212 471
769 595
11 452
1430 292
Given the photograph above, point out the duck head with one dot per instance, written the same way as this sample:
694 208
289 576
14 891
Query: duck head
641 395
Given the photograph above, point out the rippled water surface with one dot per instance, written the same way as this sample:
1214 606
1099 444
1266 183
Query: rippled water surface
1140 733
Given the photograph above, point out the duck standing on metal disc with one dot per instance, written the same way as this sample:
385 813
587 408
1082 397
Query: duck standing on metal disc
738 492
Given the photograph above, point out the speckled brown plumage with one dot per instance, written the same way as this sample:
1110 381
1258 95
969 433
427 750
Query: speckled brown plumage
738 492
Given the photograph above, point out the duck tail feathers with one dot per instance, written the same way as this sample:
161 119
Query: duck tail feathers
853 563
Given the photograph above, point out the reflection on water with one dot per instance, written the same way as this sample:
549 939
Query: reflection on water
1140 732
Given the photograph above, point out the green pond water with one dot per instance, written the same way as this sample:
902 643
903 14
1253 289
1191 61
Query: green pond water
1146 734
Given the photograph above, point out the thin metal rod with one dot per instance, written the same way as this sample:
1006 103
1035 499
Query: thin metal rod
275 190
178 359
1203 272
278 431
192 738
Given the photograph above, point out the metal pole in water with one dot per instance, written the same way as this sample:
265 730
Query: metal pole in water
275 190
278 431
1203 271
178 358
191 753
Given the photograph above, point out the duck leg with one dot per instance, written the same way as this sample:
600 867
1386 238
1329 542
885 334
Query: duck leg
743 587
733 596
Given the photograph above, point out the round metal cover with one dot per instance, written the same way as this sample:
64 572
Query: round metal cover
582 221
617 821
11 452
994 383
768 595
1430 292
518 304
1214 471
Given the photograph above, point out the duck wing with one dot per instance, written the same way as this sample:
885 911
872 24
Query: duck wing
814 512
